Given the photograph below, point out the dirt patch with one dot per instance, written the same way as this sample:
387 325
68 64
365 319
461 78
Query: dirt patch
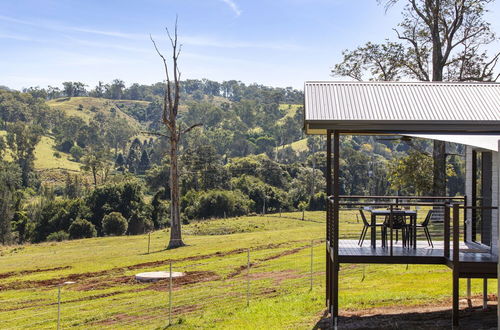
103 283
188 278
51 283
31 271
437 316
240 269
277 276
124 318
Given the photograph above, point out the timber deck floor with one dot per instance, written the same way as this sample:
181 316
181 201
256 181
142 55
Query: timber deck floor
351 252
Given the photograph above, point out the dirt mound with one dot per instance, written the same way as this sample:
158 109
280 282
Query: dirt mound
31 271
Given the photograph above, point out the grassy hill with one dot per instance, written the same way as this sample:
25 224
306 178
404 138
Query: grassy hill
86 107
213 291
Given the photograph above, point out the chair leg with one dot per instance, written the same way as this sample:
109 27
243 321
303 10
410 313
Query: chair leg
429 236
384 235
363 235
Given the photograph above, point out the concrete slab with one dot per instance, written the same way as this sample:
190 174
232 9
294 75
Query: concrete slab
156 276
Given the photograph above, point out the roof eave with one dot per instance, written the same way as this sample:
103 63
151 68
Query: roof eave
402 127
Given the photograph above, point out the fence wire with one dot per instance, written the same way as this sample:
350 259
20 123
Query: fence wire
210 288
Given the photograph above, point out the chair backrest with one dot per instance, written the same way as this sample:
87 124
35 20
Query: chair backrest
398 221
427 218
363 217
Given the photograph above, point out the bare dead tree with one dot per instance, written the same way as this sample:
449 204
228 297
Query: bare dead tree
175 132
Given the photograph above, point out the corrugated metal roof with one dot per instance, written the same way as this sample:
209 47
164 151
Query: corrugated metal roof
389 106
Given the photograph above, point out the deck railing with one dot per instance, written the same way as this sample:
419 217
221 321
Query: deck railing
458 204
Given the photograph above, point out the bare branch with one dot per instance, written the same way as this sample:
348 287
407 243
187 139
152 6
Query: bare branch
190 128
155 134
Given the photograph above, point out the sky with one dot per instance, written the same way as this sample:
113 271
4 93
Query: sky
272 42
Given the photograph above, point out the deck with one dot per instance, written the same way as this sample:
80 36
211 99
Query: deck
473 260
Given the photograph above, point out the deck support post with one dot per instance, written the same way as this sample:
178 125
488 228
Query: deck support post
456 264
335 218
485 293
328 218
446 231
469 293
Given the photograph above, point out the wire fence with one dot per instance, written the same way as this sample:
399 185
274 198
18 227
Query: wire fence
212 287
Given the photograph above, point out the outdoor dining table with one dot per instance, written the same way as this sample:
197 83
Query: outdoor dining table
411 214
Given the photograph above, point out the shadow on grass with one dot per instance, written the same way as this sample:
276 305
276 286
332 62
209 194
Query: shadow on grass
471 318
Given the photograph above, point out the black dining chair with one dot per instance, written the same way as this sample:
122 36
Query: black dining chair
398 223
366 226
424 225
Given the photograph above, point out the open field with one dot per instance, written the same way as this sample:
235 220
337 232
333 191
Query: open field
88 105
45 157
214 291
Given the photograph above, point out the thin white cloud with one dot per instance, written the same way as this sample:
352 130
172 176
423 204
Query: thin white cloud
195 40
217 43
234 7
15 37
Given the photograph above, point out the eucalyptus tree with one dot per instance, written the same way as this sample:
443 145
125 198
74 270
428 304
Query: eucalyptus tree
437 40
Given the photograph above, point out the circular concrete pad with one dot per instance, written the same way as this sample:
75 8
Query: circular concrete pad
156 276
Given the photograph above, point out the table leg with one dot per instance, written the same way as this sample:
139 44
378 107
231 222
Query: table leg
414 229
373 232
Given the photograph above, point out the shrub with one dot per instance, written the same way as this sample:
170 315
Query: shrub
139 224
217 204
77 152
57 215
125 198
82 229
317 202
66 145
57 154
58 236
114 224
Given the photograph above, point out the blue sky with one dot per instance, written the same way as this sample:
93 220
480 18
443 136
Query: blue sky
273 42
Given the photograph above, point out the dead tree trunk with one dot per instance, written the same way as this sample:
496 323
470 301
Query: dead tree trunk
169 119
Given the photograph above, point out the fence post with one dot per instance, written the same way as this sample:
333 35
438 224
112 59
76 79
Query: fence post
58 306
312 251
170 297
149 241
248 277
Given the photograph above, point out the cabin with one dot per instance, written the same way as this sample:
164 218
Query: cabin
461 232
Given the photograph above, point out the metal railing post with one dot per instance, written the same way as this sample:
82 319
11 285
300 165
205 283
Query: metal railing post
446 231
391 224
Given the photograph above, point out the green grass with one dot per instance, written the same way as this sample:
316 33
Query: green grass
70 107
214 292
291 110
45 157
